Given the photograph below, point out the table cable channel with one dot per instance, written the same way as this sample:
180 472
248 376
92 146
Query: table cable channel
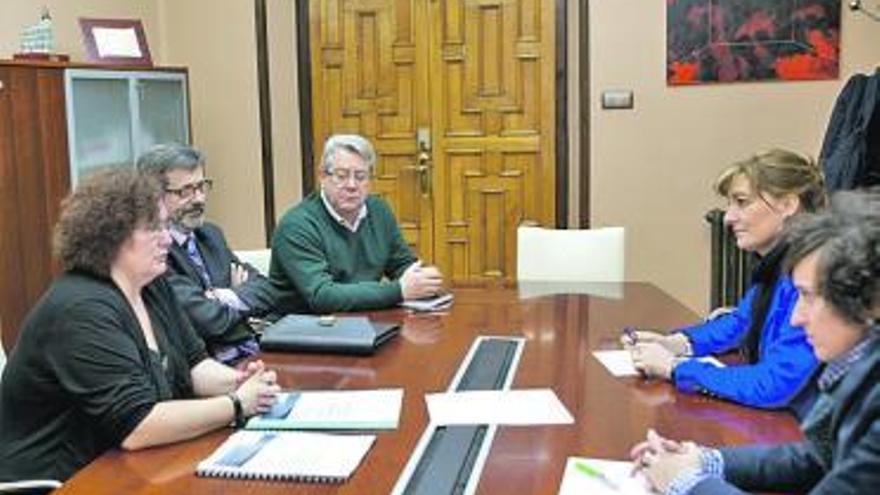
449 459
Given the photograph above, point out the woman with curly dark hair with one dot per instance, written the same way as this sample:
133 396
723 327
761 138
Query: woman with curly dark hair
834 260
106 358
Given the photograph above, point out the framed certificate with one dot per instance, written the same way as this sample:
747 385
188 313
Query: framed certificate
115 42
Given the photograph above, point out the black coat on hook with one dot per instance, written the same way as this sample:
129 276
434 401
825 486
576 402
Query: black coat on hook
850 153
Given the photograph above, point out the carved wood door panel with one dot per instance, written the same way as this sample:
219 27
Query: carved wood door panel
458 98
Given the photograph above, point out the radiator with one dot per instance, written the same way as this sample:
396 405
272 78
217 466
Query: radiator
731 266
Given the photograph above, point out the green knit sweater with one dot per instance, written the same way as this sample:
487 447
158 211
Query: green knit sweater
322 267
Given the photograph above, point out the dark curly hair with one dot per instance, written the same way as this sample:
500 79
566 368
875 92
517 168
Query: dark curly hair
847 238
101 214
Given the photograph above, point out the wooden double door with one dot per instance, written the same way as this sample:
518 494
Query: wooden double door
458 97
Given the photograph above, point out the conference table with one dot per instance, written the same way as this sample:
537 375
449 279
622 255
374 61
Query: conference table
560 331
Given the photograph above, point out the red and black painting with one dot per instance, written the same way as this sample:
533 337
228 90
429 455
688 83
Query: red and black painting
751 40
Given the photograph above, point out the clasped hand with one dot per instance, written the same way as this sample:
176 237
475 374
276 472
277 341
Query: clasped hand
653 353
420 282
663 460
257 388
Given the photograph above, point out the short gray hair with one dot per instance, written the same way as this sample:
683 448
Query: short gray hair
163 158
352 143
847 238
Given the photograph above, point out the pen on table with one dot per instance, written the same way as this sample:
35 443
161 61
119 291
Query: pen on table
631 335
595 473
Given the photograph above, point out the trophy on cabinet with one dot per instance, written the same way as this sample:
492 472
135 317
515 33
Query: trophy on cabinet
38 41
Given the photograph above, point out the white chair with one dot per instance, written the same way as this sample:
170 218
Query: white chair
258 258
549 255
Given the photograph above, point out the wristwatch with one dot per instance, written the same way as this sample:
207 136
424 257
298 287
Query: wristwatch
239 411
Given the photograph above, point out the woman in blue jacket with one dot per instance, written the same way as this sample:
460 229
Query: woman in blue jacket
763 194
835 264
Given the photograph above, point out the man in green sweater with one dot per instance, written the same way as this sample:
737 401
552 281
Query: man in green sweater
340 249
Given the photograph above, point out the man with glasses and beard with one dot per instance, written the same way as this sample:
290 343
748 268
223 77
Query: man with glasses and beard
217 290
340 249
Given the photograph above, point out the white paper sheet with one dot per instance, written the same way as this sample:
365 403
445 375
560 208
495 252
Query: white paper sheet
619 363
577 481
510 407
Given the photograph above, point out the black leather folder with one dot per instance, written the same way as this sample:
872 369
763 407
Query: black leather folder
334 335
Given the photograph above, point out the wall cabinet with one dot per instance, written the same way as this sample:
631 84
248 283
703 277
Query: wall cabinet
57 123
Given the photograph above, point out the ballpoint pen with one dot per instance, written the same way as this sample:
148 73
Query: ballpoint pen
595 473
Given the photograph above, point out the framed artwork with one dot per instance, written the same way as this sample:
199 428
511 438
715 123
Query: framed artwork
710 41
115 42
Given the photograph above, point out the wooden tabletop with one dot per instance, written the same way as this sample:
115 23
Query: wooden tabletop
560 330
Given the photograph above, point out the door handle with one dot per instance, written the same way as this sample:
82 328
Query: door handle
423 168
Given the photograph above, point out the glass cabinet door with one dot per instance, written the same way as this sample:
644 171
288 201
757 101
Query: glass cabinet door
113 116
162 116
99 123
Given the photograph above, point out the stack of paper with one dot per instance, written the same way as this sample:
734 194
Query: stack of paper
507 407
600 477
332 410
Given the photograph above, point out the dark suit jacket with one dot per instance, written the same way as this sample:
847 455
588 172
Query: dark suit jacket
215 322
855 463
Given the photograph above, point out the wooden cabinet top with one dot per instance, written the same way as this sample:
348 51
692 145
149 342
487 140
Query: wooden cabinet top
85 65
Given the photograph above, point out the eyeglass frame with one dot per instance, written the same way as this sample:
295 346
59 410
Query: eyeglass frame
360 176
188 191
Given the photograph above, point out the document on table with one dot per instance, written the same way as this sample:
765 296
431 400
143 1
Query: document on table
290 455
332 410
620 363
600 477
503 407
436 303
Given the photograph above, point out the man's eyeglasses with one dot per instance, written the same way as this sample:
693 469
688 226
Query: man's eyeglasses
341 176
190 190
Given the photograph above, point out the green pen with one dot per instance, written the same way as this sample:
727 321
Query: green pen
595 473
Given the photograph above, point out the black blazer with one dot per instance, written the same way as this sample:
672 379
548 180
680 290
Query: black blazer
795 467
215 322
851 149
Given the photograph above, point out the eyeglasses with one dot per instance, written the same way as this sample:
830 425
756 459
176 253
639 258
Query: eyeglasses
341 176
190 190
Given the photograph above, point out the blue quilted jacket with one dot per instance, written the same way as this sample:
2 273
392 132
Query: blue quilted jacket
786 361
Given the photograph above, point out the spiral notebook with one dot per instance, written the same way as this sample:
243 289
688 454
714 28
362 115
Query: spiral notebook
287 456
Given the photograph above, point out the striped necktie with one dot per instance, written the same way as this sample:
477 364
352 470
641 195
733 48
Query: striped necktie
196 257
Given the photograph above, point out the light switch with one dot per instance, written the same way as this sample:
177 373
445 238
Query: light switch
617 99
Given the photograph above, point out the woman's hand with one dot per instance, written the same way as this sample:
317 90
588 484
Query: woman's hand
677 343
653 360
257 393
241 375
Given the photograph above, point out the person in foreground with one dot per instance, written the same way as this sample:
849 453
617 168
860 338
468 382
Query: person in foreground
835 263
764 193
340 249
107 358
217 291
